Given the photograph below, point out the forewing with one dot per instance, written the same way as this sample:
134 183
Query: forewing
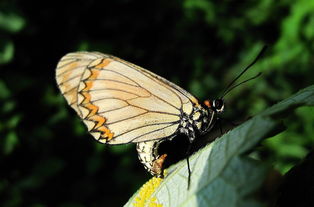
121 102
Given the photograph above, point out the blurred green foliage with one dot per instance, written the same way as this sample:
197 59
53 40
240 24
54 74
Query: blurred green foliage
48 158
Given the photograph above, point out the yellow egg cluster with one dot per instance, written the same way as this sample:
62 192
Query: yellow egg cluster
144 197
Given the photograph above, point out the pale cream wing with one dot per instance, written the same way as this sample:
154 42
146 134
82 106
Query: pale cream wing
187 99
69 74
120 102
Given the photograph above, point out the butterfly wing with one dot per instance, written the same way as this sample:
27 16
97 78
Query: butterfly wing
119 101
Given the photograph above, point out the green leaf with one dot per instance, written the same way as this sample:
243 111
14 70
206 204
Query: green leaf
11 22
13 121
222 173
6 50
10 141
303 97
4 91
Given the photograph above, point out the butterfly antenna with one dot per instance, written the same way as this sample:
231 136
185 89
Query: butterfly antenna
230 87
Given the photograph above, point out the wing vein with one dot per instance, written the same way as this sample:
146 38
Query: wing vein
156 131
70 69
171 124
121 120
119 74
107 79
153 79
141 86
147 112
100 99
72 78
114 89
71 89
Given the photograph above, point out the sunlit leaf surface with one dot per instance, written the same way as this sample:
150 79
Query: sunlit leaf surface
222 175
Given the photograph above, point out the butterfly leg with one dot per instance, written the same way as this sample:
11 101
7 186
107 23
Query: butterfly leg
148 155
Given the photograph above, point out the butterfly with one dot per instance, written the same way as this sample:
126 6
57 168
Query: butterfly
122 103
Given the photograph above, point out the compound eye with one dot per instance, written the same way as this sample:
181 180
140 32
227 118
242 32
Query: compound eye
219 105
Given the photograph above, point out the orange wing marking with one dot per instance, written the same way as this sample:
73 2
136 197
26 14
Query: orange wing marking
103 63
93 109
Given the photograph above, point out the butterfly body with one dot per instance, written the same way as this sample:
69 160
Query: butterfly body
121 103
200 121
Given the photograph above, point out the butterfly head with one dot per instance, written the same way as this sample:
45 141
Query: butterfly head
216 106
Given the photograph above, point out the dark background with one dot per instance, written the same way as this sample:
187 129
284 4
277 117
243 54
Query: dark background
47 158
